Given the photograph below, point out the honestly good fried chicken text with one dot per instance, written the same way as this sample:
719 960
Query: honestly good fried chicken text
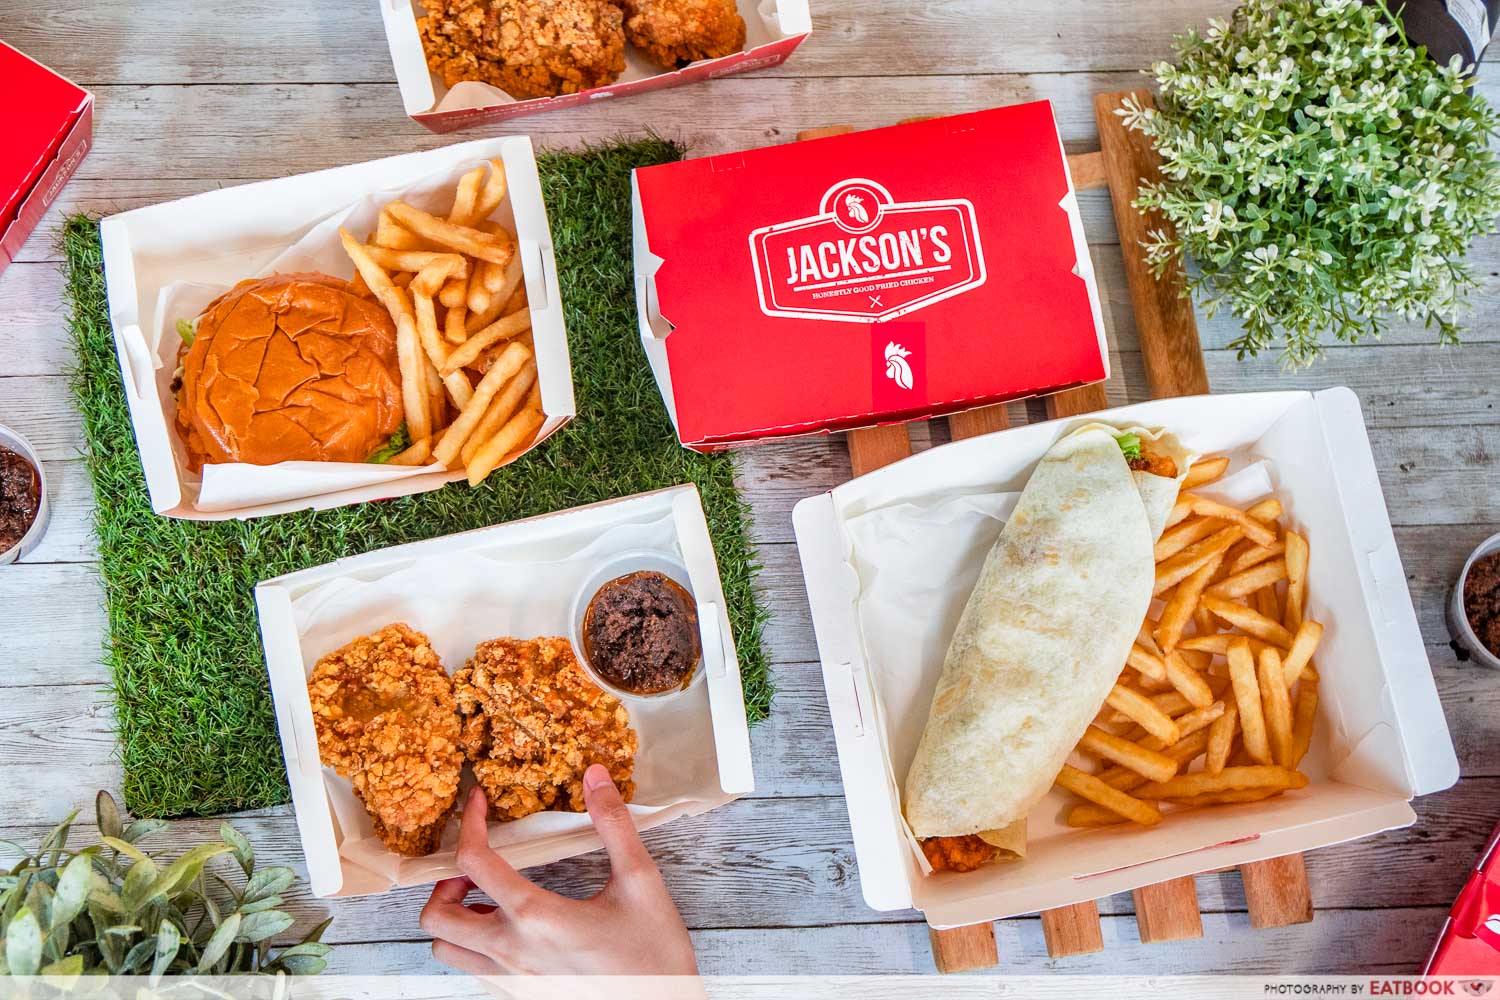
385 717
533 721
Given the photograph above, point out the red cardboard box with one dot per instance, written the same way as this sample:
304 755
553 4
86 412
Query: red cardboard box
873 277
1470 942
773 28
47 128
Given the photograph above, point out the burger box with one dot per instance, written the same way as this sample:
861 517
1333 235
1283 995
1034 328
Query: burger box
881 276
773 28
169 261
516 579
889 559
49 123
1470 941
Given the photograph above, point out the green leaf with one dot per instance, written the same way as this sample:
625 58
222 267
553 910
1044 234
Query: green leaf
135 891
242 849
70 967
316 934
1130 445
107 815
187 329
268 882
257 927
395 445
184 870
125 847
268 903
73 889
23 944
219 943
168 941
137 957
300 965
141 829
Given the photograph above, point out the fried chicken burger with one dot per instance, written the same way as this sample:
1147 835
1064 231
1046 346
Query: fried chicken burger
293 367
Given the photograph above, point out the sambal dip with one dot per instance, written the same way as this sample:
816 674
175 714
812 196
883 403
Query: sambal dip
640 633
20 497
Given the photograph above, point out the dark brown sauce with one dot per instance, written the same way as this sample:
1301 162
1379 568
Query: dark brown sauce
640 633
1482 600
20 497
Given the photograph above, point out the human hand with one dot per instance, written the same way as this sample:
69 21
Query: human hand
630 927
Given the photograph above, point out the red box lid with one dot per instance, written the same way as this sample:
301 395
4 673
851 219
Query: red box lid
1470 941
877 276
34 126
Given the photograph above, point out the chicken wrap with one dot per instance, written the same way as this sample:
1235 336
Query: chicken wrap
1041 641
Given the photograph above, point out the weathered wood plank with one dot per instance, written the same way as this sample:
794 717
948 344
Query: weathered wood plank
789 863
1390 942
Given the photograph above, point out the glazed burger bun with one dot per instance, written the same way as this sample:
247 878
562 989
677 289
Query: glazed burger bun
293 367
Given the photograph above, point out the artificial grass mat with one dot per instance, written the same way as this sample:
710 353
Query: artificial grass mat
197 733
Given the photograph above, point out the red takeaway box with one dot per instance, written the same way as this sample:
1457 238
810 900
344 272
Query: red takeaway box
874 277
869 278
47 127
1470 942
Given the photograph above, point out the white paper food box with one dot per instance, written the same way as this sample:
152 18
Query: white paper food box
516 579
169 261
773 28
1381 738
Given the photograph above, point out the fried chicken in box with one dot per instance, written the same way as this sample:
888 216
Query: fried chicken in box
385 716
533 721
527 48
673 33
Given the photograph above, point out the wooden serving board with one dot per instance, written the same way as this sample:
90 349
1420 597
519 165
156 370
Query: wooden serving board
1276 891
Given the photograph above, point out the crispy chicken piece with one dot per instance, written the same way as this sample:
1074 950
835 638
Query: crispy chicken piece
957 854
533 721
1157 465
527 48
673 33
385 716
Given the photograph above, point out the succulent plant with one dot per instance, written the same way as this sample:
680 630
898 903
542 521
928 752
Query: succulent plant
111 908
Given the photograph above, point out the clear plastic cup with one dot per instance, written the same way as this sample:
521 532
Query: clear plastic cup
1458 619
13 441
612 569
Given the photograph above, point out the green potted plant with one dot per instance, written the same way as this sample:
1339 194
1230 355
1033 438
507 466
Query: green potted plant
1322 174
111 909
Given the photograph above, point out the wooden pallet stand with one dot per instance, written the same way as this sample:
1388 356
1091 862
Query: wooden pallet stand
1276 890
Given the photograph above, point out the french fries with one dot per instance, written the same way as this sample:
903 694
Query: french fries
469 384
1230 583
1089 787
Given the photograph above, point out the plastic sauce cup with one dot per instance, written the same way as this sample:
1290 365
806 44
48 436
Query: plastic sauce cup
13 441
1458 618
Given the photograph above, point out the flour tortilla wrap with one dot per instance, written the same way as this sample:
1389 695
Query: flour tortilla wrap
1043 637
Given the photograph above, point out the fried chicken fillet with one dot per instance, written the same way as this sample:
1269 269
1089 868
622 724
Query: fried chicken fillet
673 33
385 716
533 721
527 48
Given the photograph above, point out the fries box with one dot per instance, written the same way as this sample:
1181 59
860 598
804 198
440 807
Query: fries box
49 123
890 559
880 276
515 579
1470 942
168 262
773 28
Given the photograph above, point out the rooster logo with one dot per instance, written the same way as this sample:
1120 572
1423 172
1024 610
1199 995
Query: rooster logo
855 206
1477 987
896 367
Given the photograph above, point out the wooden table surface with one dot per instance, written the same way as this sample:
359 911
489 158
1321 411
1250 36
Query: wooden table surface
198 94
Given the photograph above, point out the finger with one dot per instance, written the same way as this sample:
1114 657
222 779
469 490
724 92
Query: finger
476 859
462 959
627 855
445 917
